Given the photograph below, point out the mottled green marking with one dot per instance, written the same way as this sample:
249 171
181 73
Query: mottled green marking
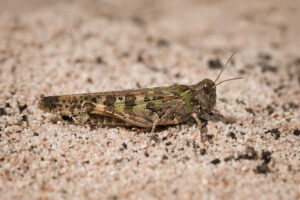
187 102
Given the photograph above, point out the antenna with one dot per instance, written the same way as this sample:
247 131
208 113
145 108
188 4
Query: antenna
231 79
229 59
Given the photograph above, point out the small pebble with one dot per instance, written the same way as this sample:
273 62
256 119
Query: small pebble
262 169
296 132
22 108
215 64
215 161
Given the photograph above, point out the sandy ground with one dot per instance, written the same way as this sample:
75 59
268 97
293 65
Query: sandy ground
65 47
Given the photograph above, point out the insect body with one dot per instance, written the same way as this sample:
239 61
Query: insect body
144 108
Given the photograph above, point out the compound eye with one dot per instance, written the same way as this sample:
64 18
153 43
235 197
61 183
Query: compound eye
206 88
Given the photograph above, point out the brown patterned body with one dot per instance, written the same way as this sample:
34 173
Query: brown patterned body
144 108
72 104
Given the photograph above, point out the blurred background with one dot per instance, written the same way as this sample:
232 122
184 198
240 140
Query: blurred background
211 24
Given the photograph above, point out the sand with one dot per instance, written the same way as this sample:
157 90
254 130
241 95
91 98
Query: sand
251 150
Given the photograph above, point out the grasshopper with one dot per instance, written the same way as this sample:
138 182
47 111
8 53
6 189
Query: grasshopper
144 108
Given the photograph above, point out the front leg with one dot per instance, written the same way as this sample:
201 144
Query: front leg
200 124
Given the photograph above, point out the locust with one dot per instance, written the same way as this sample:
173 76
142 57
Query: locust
144 108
